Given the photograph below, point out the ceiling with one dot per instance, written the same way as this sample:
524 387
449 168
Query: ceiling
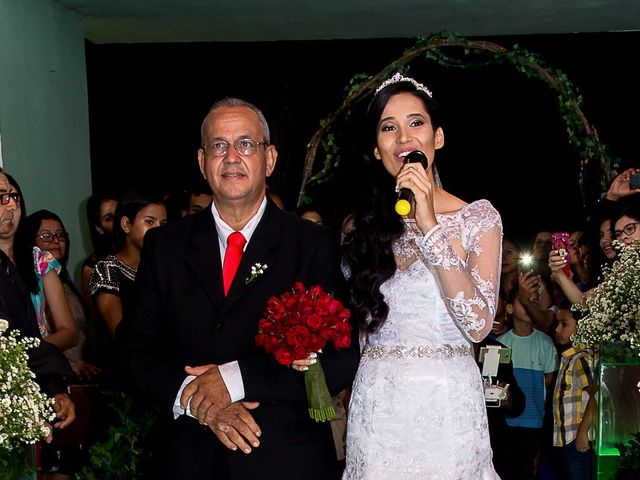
132 21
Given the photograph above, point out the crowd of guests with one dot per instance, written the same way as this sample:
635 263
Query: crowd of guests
543 425
551 435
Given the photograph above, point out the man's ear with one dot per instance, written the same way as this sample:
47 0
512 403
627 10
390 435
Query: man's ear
201 162
271 159
439 138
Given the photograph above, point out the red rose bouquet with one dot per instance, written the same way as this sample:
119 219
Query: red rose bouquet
299 323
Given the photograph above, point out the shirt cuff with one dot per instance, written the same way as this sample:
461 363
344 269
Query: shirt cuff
232 377
177 408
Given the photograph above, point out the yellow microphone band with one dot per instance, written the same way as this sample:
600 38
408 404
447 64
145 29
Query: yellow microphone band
403 207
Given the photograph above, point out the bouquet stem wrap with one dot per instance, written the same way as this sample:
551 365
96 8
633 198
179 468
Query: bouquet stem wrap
320 406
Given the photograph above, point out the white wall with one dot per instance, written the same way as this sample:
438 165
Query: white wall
44 120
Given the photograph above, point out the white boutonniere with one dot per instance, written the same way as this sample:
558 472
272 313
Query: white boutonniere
256 270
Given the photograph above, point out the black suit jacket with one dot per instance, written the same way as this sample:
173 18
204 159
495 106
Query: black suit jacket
182 318
46 360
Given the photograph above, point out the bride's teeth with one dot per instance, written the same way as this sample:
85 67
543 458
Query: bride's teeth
404 154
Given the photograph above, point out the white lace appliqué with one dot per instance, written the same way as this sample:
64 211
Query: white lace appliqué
417 408
469 284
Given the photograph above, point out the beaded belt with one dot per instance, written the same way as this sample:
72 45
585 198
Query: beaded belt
420 351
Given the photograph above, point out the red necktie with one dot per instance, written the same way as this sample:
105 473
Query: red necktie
232 257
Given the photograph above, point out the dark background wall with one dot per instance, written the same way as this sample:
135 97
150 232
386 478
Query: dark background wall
505 140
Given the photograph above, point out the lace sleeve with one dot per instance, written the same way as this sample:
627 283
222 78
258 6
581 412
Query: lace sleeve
469 287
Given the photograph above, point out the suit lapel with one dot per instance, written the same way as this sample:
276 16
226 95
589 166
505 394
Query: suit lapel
204 257
261 249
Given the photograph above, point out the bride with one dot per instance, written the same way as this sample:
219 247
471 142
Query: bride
424 289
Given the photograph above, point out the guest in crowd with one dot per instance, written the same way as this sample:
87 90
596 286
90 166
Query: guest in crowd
111 284
510 407
619 198
534 361
625 224
441 263
534 284
49 235
190 344
101 211
199 197
46 361
309 212
40 273
574 401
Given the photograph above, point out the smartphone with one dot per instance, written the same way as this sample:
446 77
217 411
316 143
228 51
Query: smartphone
529 263
634 181
561 242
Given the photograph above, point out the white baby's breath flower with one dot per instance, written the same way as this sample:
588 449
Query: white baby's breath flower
612 312
23 408
256 270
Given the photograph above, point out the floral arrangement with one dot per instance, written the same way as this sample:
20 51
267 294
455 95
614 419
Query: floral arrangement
301 322
256 270
24 410
612 312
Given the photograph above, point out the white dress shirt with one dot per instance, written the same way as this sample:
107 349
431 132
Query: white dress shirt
230 371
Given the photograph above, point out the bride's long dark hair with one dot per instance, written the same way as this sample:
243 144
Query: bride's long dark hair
368 248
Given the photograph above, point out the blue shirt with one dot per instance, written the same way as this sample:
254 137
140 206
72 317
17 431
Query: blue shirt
532 356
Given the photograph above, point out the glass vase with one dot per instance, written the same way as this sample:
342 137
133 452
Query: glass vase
16 464
618 381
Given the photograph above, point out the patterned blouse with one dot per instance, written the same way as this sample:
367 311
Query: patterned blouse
43 263
113 276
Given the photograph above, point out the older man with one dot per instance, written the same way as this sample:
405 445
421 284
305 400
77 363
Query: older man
46 361
191 343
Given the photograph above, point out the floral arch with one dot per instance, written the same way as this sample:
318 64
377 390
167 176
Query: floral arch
597 167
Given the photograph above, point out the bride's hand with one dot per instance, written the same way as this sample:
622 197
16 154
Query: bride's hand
414 177
303 365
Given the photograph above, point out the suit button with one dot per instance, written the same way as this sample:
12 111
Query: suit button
219 327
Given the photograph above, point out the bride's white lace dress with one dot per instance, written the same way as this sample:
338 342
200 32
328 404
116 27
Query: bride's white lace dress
417 408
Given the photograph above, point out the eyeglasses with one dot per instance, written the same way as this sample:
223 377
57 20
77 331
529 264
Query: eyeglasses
629 229
244 146
5 198
48 236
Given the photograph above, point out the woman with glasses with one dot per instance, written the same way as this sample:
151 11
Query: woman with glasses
626 227
51 236
40 271
617 219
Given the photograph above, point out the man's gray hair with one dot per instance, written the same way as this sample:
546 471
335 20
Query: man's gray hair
236 102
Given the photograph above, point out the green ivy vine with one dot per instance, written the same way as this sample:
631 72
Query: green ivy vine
597 167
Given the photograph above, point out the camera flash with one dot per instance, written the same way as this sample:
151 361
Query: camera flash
526 259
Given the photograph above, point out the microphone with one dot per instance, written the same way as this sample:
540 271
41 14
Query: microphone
405 197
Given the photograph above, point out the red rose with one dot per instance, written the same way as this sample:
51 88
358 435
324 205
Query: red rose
313 321
297 335
284 356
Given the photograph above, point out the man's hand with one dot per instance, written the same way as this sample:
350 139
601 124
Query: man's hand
207 393
234 424
64 409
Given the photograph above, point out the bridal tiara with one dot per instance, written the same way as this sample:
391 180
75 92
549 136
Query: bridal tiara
398 77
